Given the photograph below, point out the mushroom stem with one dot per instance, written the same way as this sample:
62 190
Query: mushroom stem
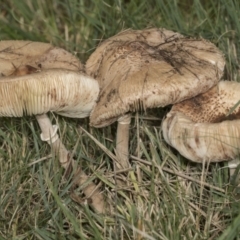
91 191
122 142
49 134
232 165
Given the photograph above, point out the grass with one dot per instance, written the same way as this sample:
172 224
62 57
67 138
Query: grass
166 196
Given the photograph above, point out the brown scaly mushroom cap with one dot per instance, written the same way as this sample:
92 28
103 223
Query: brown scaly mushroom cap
65 92
206 127
23 57
150 68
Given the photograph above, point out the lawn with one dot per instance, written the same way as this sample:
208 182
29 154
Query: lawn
165 196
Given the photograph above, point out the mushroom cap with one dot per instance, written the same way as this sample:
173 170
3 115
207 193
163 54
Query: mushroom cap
17 57
139 69
65 92
37 78
206 127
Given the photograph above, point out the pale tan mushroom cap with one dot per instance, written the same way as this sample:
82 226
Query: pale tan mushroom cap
15 55
65 92
205 127
150 68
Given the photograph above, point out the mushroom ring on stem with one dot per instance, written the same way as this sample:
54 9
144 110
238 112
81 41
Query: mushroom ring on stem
140 69
206 127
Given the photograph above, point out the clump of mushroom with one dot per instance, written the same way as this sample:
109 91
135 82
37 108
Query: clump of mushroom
38 78
206 127
140 69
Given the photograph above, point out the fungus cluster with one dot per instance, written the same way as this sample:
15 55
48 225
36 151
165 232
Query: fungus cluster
140 69
133 70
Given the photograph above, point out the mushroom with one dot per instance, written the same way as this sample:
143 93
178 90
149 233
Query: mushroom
34 88
140 69
206 127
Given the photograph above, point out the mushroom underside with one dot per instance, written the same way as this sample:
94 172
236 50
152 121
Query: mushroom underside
65 92
198 142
